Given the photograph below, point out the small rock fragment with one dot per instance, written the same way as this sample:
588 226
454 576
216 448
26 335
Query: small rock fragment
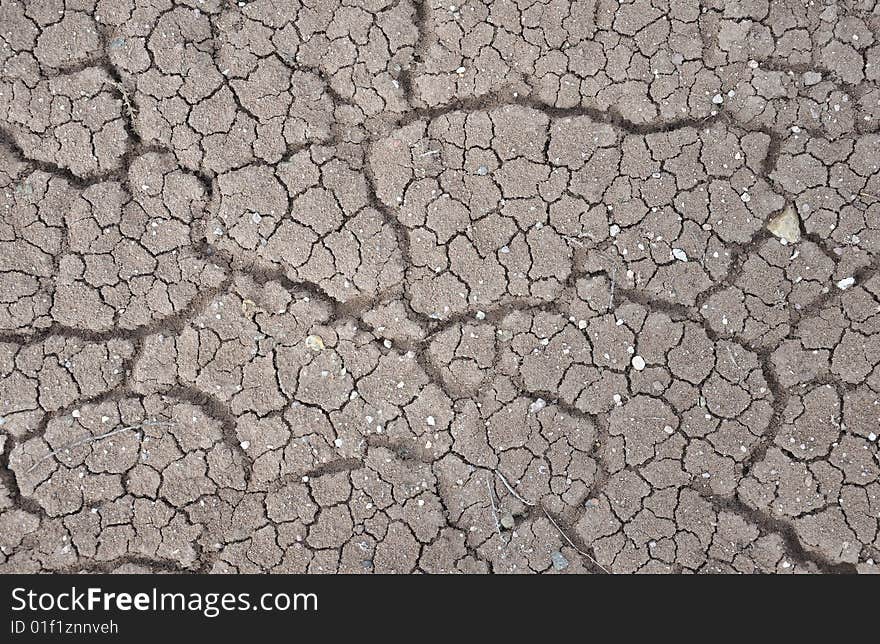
315 342
846 283
507 521
811 78
786 225
248 308
559 561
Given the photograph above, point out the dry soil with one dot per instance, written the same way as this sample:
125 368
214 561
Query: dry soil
419 286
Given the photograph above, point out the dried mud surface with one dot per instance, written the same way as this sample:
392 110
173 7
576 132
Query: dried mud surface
418 286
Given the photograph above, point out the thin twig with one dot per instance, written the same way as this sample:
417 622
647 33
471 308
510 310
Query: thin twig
697 245
91 439
732 358
512 491
571 543
611 297
494 508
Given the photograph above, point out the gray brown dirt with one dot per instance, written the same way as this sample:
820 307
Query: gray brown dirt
410 286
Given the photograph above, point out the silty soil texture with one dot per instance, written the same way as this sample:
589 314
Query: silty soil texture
419 286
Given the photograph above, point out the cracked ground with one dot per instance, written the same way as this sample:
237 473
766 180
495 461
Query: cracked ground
417 286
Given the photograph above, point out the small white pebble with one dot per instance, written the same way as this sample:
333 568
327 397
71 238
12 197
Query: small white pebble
315 342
